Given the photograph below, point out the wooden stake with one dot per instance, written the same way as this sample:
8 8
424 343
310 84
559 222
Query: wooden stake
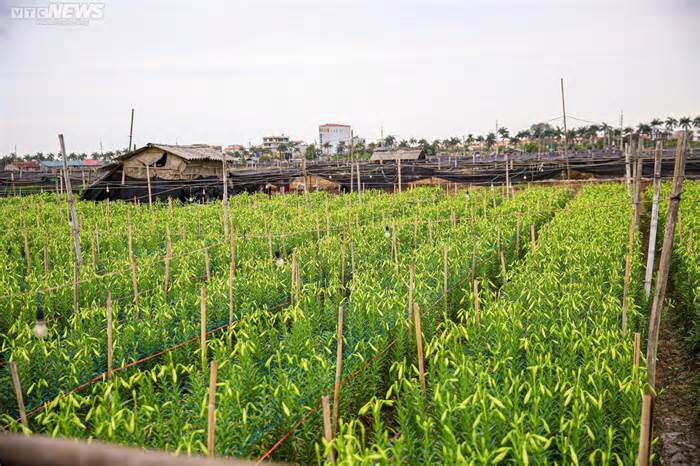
517 235
410 300
327 432
476 303
18 393
338 369
532 237
203 326
92 254
419 345
109 335
206 264
473 257
654 225
625 293
75 287
211 418
637 344
132 261
25 233
73 213
46 255
168 257
148 181
666 256
445 276
645 430
352 257
231 274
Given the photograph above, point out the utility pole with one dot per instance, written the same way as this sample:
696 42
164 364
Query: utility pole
621 137
566 134
73 214
131 131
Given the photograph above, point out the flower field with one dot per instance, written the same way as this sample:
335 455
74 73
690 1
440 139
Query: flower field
519 302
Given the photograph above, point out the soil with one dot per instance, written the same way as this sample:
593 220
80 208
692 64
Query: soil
676 411
676 414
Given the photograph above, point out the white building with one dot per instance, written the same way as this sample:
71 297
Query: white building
333 134
273 142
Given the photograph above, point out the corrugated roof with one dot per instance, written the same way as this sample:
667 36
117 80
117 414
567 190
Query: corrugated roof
71 163
396 154
188 152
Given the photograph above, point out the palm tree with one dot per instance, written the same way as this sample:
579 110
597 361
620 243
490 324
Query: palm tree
685 123
389 140
412 141
655 125
671 123
490 140
696 122
593 135
403 143
605 128
643 130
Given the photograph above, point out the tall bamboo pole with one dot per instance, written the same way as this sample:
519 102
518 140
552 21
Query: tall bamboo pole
69 190
654 221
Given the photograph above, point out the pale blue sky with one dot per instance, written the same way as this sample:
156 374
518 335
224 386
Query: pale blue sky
225 72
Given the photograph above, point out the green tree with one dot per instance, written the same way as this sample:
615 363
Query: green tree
310 153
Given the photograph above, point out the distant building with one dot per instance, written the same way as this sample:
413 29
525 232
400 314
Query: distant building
272 143
385 154
234 148
19 166
74 166
331 135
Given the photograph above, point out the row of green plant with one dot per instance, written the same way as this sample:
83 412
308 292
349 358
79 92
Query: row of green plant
278 363
547 376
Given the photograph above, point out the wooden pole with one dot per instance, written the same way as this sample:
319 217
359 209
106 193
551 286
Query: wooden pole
211 418
625 293
69 190
92 254
342 259
477 318
419 345
338 369
168 257
649 272
637 188
327 432
206 264
148 183
473 257
666 256
25 234
645 430
532 237
517 235
46 255
109 335
637 343
203 326
132 261
131 132
352 257
410 300
398 163
445 276
231 273
18 393
75 287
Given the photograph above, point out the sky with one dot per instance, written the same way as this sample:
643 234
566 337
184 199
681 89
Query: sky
230 72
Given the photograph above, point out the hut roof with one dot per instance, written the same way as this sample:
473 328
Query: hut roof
398 154
188 152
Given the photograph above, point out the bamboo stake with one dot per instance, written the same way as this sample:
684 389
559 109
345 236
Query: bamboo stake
211 418
477 318
318 230
73 213
338 369
206 264
503 261
654 221
645 430
132 261
637 344
203 326
445 276
410 300
473 257
18 393
168 257
517 235
231 274
148 181
625 293
665 262
109 335
75 287
352 257
269 244
46 255
419 345
327 432
394 249
532 237
637 190
25 233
